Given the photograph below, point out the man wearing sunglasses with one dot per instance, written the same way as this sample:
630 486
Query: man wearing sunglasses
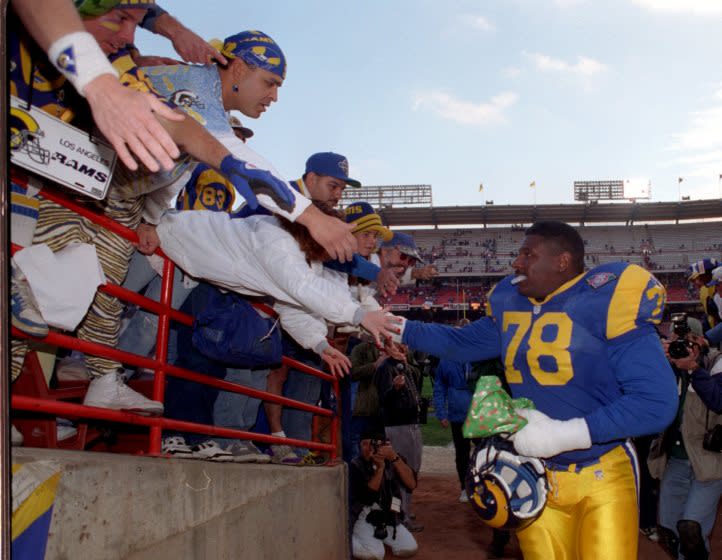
401 254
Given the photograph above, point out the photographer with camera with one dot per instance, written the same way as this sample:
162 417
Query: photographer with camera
378 476
401 408
692 481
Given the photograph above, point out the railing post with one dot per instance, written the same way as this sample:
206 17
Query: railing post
161 349
335 419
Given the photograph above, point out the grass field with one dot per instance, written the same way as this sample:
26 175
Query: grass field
432 432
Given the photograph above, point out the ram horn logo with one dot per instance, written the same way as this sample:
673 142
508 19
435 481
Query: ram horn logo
186 98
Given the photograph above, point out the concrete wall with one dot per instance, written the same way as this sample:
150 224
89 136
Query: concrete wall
112 506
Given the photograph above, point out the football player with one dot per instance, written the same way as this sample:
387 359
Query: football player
583 347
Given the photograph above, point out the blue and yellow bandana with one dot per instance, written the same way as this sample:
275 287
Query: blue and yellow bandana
257 49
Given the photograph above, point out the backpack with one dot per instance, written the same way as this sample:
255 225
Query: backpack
231 331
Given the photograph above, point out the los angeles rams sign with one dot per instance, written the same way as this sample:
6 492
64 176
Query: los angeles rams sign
56 150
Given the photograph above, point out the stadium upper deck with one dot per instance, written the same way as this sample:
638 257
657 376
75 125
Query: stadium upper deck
574 213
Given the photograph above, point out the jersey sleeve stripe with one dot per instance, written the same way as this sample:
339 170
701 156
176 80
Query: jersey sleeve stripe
624 307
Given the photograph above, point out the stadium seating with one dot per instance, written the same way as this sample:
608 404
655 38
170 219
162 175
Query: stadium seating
665 249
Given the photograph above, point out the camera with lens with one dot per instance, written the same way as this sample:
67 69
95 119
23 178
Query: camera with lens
713 439
376 444
680 326
379 519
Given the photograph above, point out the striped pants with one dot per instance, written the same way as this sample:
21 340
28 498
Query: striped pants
58 227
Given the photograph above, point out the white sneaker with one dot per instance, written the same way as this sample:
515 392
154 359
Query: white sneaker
16 438
246 452
109 391
24 313
211 451
464 497
284 455
176 446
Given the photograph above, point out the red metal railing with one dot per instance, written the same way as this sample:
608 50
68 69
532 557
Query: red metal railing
159 364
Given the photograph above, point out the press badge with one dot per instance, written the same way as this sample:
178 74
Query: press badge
396 505
63 153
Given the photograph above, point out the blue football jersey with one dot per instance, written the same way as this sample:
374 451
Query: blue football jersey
556 352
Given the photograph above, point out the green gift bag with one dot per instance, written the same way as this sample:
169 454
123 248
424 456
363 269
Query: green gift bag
492 410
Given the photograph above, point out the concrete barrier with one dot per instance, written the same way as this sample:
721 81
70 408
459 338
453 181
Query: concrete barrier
111 506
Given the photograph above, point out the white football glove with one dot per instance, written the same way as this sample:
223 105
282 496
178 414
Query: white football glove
544 437
401 327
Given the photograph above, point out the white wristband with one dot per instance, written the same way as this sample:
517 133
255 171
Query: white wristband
80 59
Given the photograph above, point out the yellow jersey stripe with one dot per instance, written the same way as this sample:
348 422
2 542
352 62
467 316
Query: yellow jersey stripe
624 305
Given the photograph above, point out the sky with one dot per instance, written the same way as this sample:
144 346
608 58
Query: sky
499 93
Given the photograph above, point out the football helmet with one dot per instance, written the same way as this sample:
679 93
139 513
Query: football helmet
24 134
508 491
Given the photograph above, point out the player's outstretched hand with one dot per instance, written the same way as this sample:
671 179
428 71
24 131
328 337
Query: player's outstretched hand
126 118
380 324
545 437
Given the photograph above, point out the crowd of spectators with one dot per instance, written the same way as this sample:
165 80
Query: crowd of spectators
491 251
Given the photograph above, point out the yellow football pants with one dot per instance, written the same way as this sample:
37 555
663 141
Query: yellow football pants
591 514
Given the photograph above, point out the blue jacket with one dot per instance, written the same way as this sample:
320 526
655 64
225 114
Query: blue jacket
452 397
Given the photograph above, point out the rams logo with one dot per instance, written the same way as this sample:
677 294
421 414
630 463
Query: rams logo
24 136
490 503
66 61
187 99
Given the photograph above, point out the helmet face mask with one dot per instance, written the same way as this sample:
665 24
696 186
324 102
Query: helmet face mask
24 134
507 491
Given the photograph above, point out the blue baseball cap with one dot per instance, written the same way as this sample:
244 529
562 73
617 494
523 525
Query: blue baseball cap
257 49
405 244
363 216
331 164
701 267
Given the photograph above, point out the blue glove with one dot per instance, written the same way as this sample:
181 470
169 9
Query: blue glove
251 181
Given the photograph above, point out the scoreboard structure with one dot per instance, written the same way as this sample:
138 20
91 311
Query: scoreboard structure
389 196
617 189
